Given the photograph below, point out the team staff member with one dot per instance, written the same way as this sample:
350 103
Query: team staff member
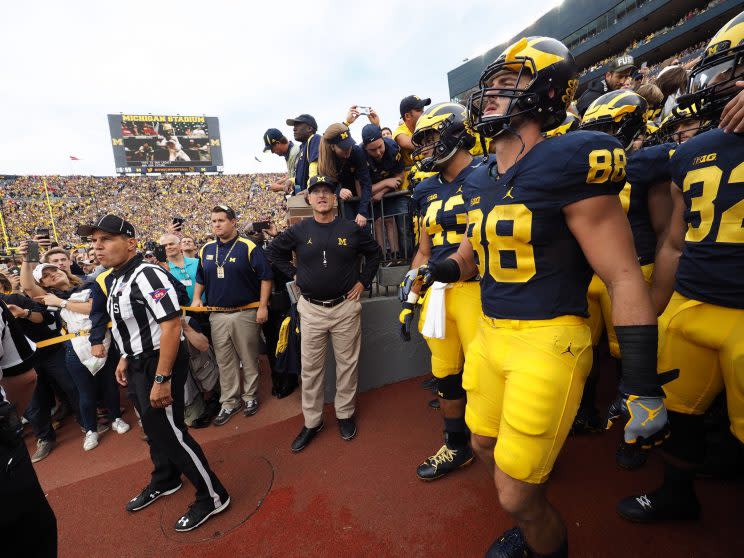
27 523
699 284
305 130
533 237
616 76
327 249
442 143
142 303
234 274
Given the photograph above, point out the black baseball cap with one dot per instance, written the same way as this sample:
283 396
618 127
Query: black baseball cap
303 119
370 133
343 140
110 224
225 209
412 102
622 63
327 180
271 137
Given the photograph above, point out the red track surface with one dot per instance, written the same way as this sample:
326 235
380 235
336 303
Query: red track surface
358 498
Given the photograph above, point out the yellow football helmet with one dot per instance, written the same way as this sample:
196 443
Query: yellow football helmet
569 124
440 131
620 113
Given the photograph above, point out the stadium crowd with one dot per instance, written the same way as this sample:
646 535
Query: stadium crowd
223 347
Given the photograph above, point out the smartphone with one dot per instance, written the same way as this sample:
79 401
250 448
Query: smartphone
363 110
259 226
159 253
42 232
32 254
178 222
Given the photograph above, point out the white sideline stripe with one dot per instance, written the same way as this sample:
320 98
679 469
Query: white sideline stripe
194 458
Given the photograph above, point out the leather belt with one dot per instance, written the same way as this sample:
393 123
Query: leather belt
326 303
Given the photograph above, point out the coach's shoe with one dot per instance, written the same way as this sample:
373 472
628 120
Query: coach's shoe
509 545
347 428
659 506
198 514
305 437
443 462
251 407
588 421
226 414
630 456
148 496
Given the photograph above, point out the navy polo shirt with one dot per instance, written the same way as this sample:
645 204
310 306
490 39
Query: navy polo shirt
244 268
391 163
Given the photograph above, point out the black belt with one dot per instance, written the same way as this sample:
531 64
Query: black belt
144 355
326 303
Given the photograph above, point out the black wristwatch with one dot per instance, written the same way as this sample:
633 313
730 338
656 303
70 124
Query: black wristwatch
160 379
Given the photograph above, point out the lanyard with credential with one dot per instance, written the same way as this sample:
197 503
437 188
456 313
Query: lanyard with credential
221 268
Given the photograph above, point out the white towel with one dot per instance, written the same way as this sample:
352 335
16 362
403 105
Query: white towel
81 345
435 312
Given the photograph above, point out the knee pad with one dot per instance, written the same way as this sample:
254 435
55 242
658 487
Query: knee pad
450 387
687 439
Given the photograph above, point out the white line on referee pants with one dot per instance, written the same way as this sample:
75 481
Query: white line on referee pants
194 458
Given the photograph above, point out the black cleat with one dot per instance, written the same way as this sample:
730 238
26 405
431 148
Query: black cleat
650 508
509 545
430 384
148 496
444 462
434 404
305 436
630 456
198 514
588 421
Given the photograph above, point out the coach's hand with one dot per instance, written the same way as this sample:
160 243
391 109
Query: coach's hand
406 320
645 419
356 291
160 395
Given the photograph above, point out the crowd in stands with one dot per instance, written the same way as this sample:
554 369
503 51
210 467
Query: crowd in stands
148 201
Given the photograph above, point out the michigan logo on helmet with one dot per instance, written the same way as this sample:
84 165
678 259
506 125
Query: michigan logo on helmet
569 124
440 131
683 123
620 113
713 80
543 87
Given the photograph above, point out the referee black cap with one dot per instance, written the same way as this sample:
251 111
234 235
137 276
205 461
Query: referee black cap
109 223
303 119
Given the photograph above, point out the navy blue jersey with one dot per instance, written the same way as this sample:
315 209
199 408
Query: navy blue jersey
309 152
709 169
352 170
646 167
390 164
442 211
531 266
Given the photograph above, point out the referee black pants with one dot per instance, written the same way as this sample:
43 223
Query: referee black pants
172 449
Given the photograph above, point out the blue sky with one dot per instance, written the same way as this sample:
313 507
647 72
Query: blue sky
65 65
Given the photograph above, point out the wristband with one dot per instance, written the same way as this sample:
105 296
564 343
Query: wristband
447 271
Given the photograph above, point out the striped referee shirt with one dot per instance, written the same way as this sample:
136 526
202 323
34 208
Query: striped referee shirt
140 297
16 350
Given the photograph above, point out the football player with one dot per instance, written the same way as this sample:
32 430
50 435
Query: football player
442 143
646 200
535 216
699 282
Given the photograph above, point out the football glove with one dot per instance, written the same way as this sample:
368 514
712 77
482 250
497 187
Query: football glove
645 418
406 319
405 287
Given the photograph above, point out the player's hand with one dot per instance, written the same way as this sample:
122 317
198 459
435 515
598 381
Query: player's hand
645 419
262 315
356 291
99 351
160 395
405 286
121 372
345 194
406 319
361 220
425 277
732 117
352 115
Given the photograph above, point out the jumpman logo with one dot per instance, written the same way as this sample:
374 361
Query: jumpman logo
183 521
508 194
568 349
652 413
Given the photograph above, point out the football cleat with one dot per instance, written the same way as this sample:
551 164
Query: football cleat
511 544
443 462
657 506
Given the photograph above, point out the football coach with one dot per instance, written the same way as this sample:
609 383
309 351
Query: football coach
143 306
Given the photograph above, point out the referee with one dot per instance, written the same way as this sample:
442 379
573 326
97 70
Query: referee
27 522
144 310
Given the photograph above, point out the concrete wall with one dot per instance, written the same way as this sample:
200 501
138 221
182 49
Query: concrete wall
384 358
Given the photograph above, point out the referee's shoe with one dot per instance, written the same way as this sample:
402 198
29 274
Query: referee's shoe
198 513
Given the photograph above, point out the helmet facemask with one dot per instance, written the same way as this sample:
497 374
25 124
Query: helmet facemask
435 145
712 83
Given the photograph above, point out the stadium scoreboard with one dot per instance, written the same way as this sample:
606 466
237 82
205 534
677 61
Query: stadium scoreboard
155 143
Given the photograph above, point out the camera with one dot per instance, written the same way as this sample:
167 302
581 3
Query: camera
259 226
363 110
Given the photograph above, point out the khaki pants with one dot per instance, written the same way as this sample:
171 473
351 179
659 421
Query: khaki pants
235 337
343 324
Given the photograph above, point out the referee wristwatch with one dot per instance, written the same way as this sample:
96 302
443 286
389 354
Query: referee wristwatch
161 379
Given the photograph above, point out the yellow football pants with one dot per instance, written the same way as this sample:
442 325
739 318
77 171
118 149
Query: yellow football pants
524 380
706 343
